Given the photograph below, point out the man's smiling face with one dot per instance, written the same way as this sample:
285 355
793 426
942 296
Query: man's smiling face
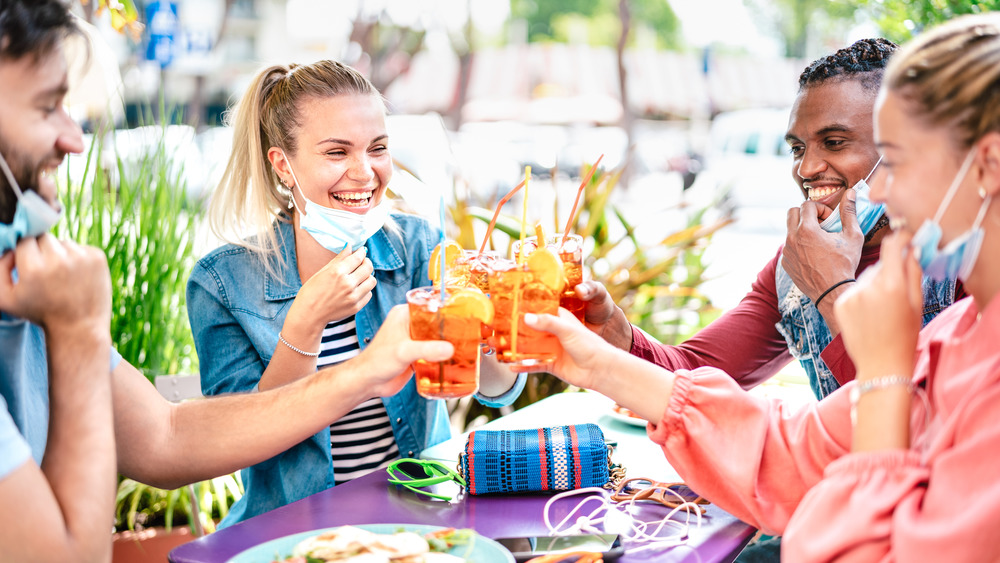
831 140
36 133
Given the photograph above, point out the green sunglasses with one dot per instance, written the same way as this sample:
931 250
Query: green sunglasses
415 473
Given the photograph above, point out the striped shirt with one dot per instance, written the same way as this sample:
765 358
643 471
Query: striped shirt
362 440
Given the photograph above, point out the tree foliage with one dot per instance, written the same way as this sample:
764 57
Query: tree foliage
554 21
795 21
123 13
900 20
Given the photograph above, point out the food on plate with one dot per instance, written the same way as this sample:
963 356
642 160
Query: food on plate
624 411
349 544
573 557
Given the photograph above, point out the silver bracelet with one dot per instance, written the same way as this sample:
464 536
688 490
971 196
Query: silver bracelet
294 349
875 384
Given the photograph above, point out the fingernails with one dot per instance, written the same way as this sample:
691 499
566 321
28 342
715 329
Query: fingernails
345 247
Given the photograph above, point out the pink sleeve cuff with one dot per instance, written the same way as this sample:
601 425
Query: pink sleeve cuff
671 420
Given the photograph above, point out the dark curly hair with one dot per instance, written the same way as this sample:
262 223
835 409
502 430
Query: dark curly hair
865 60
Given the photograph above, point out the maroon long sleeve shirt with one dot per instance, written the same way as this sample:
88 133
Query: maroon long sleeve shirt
744 342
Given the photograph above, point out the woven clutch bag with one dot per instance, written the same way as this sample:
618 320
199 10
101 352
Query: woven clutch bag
560 458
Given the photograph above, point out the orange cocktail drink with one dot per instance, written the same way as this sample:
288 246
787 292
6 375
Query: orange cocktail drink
475 268
464 268
478 266
457 320
571 254
516 289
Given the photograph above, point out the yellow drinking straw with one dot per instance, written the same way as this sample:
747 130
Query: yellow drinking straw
441 293
524 214
515 323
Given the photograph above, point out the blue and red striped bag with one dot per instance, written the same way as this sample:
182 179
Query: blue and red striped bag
560 458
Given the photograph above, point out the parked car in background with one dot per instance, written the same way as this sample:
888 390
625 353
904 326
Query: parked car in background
747 174
747 169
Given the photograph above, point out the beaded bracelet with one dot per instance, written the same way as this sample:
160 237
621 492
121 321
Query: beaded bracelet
866 386
294 349
831 288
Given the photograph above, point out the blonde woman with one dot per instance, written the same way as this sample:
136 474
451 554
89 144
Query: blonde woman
324 262
901 464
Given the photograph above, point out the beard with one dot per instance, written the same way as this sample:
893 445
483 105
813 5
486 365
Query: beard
25 173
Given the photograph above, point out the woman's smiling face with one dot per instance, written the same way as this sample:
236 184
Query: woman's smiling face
921 162
342 159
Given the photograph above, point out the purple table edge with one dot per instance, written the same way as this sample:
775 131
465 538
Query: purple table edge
372 500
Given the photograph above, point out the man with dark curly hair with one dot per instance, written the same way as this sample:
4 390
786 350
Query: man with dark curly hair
832 237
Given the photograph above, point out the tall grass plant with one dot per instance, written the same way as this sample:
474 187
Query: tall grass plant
137 212
134 206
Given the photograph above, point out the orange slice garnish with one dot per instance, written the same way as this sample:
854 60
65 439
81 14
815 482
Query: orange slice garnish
469 302
547 268
540 237
452 252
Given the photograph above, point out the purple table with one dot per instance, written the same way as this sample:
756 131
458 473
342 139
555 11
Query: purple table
372 500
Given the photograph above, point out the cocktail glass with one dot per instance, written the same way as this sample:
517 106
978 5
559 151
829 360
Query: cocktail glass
571 254
479 265
457 320
516 289
474 269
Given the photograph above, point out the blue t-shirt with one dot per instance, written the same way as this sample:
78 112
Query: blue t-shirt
24 392
14 450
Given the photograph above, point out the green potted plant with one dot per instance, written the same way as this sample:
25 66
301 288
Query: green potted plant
135 208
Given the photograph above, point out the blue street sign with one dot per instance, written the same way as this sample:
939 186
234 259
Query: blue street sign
163 26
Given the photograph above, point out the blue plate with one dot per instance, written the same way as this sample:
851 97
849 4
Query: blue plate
482 550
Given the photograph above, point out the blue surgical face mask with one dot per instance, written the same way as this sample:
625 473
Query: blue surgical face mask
334 229
868 213
959 256
32 216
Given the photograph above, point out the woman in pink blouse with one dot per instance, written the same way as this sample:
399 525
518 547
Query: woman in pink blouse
902 464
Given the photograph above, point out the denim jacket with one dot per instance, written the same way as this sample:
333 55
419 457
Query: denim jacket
236 310
807 335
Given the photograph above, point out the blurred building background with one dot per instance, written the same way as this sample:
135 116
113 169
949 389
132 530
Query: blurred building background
690 97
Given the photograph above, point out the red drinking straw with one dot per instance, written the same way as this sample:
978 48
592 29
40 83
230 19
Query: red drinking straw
579 193
493 222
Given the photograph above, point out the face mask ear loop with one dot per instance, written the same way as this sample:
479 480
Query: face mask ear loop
296 180
10 177
959 178
874 168
582 523
982 212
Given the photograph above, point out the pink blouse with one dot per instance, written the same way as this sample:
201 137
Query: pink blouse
791 472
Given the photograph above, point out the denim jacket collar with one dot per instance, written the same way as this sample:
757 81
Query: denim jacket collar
382 251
